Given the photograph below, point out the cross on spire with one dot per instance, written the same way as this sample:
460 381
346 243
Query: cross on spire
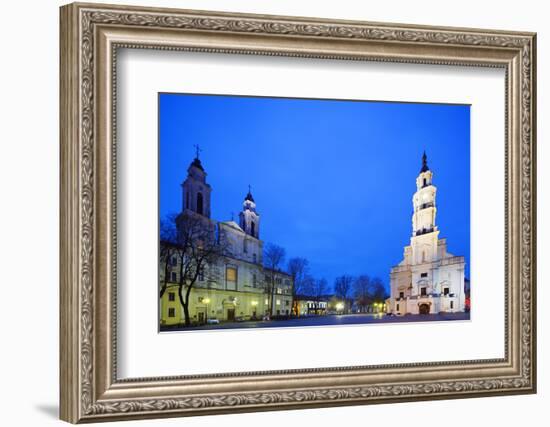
197 150
249 195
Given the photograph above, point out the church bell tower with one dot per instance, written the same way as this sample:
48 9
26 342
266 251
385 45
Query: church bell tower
249 219
196 191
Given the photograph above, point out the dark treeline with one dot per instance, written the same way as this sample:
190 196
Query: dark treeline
362 290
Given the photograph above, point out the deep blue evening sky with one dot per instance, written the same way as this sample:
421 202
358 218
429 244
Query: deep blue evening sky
333 180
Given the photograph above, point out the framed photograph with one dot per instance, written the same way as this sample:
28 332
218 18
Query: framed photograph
265 213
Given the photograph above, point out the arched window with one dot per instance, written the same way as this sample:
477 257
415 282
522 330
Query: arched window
187 199
253 228
199 203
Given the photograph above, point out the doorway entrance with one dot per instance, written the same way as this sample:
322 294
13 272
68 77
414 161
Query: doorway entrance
231 314
424 309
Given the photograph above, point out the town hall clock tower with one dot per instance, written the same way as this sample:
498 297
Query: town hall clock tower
429 279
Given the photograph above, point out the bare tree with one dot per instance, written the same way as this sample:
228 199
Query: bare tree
167 229
298 269
342 288
320 288
274 257
196 245
168 249
308 285
362 292
378 290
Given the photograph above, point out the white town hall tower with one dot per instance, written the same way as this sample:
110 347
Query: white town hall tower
429 280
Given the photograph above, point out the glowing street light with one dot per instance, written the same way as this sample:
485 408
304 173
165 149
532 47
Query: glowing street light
340 306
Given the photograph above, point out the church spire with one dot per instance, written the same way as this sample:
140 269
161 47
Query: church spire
425 167
198 150
249 195
249 219
196 162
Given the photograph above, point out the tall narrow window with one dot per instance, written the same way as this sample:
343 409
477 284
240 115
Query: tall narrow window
253 228
199 204
187 199
424 182
231 278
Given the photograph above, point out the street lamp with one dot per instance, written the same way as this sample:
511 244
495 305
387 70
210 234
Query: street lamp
254 304
206 301
340 306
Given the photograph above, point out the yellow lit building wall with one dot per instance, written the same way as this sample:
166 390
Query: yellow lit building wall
205 303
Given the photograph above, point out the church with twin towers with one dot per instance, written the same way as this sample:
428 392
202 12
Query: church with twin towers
234 287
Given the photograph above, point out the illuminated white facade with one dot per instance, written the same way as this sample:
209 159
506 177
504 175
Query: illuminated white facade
429 279
238 286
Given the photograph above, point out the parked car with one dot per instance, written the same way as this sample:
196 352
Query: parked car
213 321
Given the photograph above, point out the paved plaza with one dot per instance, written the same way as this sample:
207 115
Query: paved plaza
330 320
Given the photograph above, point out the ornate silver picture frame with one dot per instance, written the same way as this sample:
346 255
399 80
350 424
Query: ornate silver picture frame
91 35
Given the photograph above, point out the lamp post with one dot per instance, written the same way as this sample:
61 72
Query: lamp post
254 304
206 302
